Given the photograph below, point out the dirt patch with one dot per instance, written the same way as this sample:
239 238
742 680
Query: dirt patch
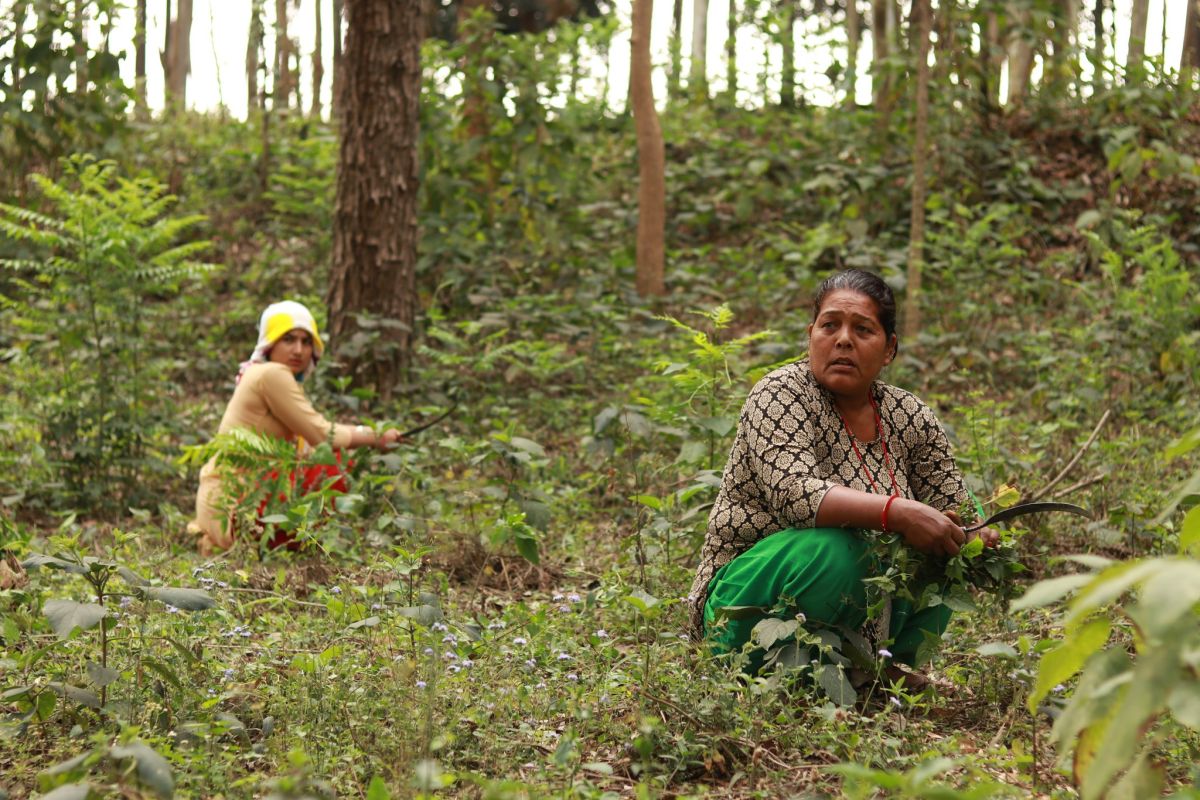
467 563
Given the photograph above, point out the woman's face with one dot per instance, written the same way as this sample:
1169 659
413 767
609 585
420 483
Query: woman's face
847 344
294 350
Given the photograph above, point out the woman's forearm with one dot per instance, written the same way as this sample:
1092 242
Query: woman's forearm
843 507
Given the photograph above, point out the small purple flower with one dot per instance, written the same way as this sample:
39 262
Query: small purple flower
454 669
574 598
540 685
885 653
564 656
376 606
497 625
228 674
126 601
172 609
427 651
895 701
683 637
467 663
571 676
439 627
222 585
557 597
450 639
450 655
1059 689
246 633
335 590
421 684
601 634
520 641
530 663
564 609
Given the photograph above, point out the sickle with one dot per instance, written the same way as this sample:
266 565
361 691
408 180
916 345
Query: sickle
1027 508
436 420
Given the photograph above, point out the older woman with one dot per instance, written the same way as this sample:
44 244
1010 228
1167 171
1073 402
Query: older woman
823 452
268 399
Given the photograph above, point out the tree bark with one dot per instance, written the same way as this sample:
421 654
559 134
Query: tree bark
79 46
923 14
853 39
879 50
1020 55
787 78
254 43
698 74
1135 67
1098 47
731 81
282 91
651 157
1189 59
375 215
337 57
139 57
676 76
177 60
318 65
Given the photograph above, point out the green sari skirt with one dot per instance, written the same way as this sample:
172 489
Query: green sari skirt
817 572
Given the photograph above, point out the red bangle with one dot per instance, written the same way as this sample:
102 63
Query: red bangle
883 520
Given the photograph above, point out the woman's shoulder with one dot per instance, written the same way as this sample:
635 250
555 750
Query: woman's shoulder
266 375
901 405
792 384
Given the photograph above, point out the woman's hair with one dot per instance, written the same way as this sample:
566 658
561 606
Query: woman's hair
868 283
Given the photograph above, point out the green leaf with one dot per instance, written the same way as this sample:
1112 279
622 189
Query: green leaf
972 549
1183 445
131 577
528 445
152 769
1048 591
377 790
101 676
71 791
836 685
1167 595
38 560
1108 586
84 697
67 615
1189 533
1184 704
928 770
184 599
1144 779
1060 664
642 600
997 649
369 622
1089 219
597 767
648 500
424 614
527 546
772 629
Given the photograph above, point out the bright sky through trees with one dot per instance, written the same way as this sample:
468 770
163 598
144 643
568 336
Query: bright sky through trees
220 27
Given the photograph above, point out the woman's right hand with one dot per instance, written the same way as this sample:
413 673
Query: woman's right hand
925 528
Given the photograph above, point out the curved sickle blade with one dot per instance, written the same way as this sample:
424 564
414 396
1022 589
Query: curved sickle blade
1027 508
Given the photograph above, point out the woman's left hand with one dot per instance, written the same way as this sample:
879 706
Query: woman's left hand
990 537
389 439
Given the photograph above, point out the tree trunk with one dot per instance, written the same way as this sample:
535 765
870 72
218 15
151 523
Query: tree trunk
787 78
1135 68
922 14
1189 59
1020 55
651 157
676 76
318 66
375 222
337 58
853 38
698 74
177 60
254 42
879 50
20 11
139 57
1098 47
80 46
731 81
282 91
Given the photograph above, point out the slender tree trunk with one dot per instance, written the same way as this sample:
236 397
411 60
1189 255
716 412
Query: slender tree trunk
375 222
676 76
1098 47
731 81
177 60
698 74
787 80
254 43
1020 55
80 46
318 65
475 113
993 60
922 18
1135 67
139 57
337 57
651 158
282 90
20 11
879 50
1189 59
853 39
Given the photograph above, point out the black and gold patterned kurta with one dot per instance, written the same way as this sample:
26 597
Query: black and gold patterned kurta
791 448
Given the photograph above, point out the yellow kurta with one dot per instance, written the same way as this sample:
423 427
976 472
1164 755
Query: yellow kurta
267 400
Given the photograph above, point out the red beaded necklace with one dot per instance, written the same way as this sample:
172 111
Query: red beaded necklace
886 461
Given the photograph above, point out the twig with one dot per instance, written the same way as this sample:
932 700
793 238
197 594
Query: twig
1080 485
1095 431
